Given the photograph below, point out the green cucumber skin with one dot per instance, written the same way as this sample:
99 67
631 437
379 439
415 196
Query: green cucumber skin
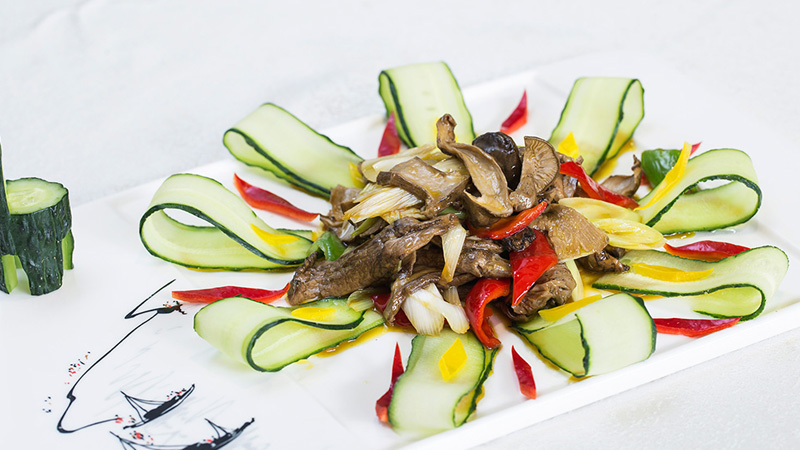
645 291
7 280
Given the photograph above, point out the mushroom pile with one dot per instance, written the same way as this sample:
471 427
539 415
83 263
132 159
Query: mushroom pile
420 230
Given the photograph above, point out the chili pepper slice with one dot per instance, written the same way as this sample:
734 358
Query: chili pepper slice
381 300
266 200
518 117
218 293
594 189
524 375
382 405
390 142
693 327
329 244
529 264
706 250
507 226
484 291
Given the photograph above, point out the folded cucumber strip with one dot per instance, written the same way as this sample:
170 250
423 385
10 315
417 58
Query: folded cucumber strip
268 338
418 95
739 285
273 139
601 337
423 403
602 113
230 243
35 234
707 209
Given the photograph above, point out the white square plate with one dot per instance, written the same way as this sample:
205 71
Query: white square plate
80 333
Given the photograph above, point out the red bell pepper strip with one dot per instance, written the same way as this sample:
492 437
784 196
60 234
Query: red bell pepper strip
390 142
382 405
381 300
518 117
528 265
693 327
218 293
706 250
594 189
524 375
507 226
266 200
484 291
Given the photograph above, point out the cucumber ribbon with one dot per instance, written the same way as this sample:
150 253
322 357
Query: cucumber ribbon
268 338
237 239
677 210
739 285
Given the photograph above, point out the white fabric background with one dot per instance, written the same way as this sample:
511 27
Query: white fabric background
104 95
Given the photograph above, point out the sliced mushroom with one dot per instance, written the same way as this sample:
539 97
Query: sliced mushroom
569 232
371 262
436 188
503 149
552 289
539 168
626 185
606 260
486 174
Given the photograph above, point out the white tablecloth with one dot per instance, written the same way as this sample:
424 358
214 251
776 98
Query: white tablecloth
104 95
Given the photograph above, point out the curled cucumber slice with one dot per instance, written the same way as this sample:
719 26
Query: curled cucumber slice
230 242
268 338
739 285
601 337
275 140
602 113
684 209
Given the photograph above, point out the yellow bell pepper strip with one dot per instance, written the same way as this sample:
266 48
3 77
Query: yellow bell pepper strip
594 189
274 238
693 327
569 147
706 250
267 201
390 142
218 293
314 313
554 314
382 405
452 360
528 265
484 291
672 177
524 375
657 162
664 273
518 117
507 226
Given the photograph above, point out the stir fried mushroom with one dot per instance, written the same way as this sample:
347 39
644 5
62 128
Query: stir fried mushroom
407 284
478 262
562 186
503 149
552 289
371 262
519 241
341 200
626 185
484 171
436 188
569 232
606 260
539 168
